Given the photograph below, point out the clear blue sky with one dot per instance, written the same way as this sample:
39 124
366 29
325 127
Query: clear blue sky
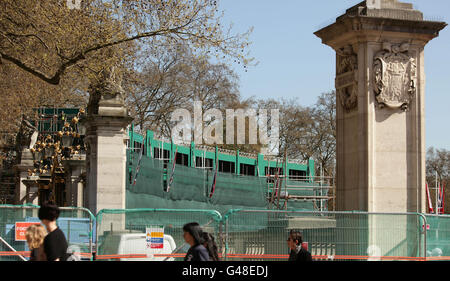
293 63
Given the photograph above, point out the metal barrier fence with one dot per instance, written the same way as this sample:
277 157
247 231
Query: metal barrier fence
261 235
438 237
150 234
241 235
76 223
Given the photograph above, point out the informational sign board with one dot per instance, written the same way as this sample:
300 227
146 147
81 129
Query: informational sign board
154 237
21 228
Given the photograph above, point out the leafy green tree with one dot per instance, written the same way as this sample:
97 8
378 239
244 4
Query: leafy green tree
47 39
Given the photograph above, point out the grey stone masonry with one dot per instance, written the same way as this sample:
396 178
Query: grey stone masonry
380 118
386 9
106 138
380 88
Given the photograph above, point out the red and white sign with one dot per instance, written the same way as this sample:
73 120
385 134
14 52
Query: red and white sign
21 228
305 245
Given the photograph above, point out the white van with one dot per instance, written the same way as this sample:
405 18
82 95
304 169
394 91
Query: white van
134 243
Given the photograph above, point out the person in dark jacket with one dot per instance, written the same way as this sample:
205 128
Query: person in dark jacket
55 243
193 235
298 253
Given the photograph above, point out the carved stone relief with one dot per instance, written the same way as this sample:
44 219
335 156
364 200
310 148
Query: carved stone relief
346 78
394 76
106 91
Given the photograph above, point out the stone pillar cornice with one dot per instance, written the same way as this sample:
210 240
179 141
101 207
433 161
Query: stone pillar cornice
22 167
92 121
366 28
70 163
26 161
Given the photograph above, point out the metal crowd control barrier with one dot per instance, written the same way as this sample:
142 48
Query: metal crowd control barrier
241 235
76 223
261 235
149 234
438 237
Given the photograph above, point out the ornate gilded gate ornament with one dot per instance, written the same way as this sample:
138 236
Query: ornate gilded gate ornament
394 74
346 78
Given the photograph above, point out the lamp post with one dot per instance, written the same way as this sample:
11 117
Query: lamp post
50 150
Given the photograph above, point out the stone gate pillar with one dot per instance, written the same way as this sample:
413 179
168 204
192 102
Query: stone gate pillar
106 136
74 182
26 192
380 157
380 88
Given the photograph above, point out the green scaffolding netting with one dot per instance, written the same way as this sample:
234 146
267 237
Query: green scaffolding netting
191 188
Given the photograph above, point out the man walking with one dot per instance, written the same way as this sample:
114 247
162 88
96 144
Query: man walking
55 243
298 253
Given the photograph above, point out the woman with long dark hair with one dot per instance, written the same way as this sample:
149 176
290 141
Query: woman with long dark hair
193 235
211 246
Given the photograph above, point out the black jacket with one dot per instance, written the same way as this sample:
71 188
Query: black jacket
197 253
300 255
55 245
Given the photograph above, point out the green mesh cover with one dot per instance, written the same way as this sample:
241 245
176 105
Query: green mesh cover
191 187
